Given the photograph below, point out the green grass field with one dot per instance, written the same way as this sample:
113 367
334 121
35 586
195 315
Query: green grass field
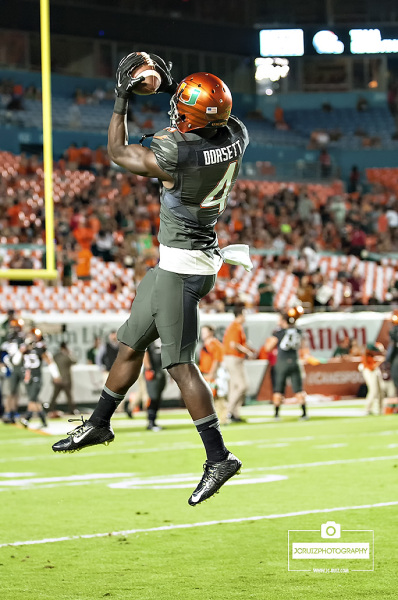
122 528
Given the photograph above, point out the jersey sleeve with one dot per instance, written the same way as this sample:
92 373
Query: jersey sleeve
164 146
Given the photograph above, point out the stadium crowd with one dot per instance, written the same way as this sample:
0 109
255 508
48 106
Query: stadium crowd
102 212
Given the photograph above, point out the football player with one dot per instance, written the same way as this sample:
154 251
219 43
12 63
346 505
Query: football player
197 161
155 379
288 340
12 359
390 365
34 353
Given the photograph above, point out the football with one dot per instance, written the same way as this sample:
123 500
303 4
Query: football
151 82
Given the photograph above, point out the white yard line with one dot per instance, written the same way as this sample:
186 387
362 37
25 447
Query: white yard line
327 446
200 524
22 481
170 481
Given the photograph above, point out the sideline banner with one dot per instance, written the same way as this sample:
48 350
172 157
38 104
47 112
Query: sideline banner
324 330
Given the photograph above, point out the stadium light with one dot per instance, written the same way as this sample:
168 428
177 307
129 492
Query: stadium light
281 42
327 42
369 41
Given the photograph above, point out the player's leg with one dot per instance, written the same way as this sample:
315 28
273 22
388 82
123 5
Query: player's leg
279 388
155 388
277 399
11 401
56 391
297 386
34 405
25 419
177 321
67 387
38 406
135 336
221 406
380 391
237 386
370 378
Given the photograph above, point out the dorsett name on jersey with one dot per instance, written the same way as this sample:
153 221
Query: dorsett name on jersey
218 155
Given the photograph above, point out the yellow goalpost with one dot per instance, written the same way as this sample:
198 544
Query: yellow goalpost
50 271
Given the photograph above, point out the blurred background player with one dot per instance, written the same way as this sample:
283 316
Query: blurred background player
288 339
236 350
12 359
155 378
371 360
64 360
34 353
107 353
197 161
390 366
210 364
105 357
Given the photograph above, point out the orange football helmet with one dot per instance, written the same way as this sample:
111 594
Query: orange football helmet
201 100
294 313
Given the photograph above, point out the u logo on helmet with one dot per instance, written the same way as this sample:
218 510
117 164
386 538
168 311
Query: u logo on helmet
193 97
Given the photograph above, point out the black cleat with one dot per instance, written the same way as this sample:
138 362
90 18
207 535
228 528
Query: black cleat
83 436
214 476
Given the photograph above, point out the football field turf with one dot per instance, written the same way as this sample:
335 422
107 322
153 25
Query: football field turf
114 522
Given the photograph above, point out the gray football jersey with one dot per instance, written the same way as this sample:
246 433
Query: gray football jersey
289 342
204 172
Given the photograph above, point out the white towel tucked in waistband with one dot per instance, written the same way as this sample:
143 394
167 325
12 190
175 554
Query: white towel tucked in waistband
237 254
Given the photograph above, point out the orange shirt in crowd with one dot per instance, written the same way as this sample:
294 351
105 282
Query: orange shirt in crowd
86 156
212 350
84 236
13 215
382 224
73 154
94 224
234 333
270 356
83 263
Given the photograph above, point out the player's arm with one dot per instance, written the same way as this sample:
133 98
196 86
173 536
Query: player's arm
250 352
134 157
271 343
211 375
52 367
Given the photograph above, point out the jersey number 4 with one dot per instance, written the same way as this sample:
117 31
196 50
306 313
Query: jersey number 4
219 194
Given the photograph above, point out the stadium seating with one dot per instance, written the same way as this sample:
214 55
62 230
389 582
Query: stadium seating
94 117
94 295
377 122
387 178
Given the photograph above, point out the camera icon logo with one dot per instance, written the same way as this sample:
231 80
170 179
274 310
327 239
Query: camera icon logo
330 529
